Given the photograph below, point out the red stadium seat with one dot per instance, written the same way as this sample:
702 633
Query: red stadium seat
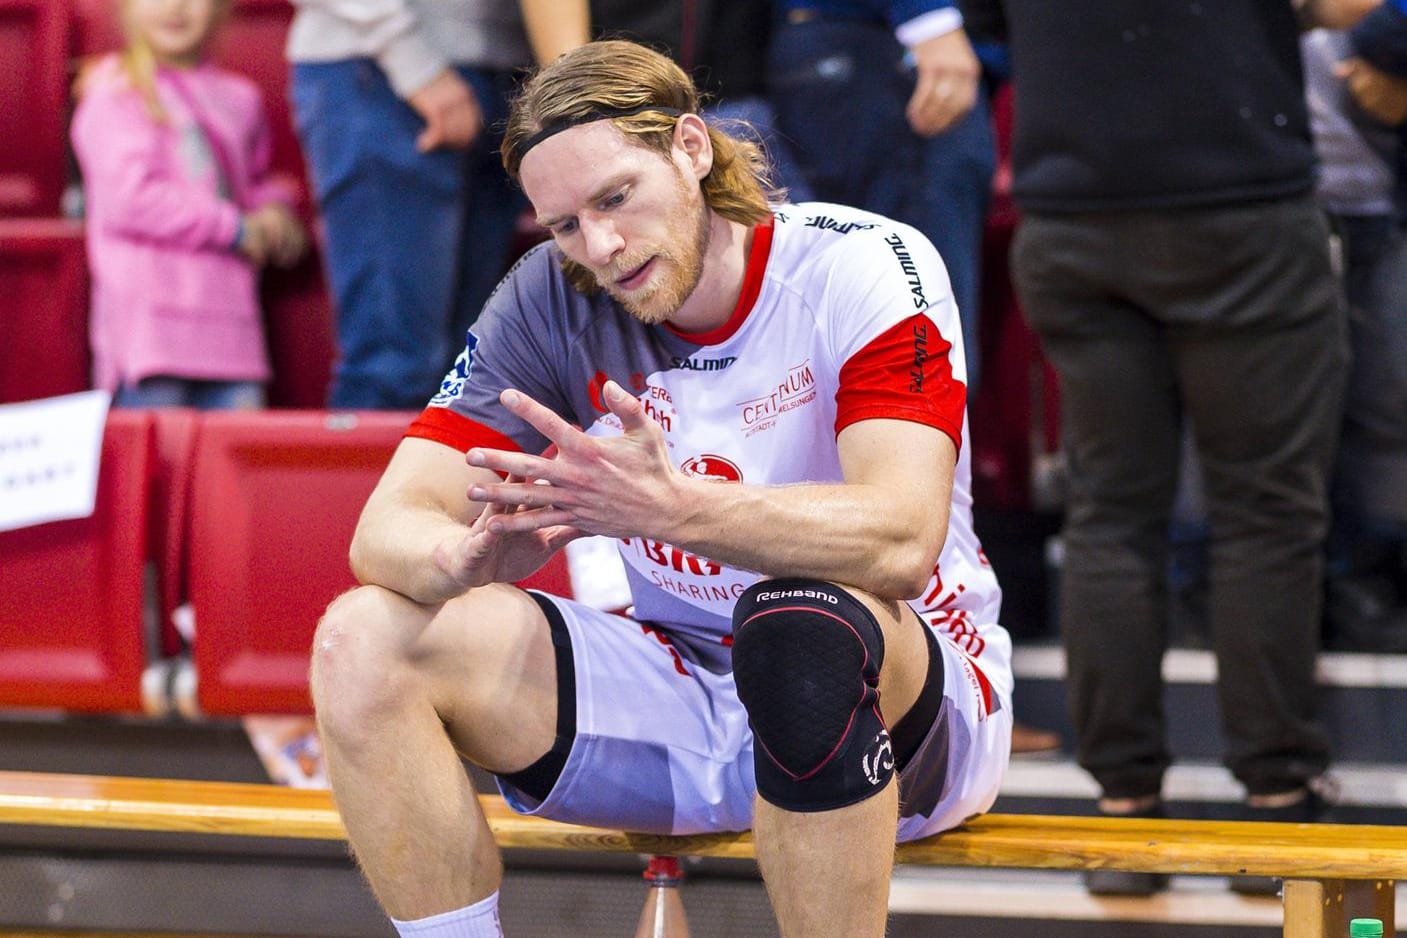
43 309
276 498
71 592
34 38
176 429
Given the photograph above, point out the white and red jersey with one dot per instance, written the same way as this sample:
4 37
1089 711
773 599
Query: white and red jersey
844 316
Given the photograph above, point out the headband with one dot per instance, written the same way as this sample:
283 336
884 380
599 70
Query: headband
588 117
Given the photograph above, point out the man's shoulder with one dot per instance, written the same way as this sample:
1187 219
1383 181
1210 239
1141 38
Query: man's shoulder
821 226
820 240
538 290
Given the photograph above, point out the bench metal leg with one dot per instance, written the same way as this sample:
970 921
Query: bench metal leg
663 915
1322 908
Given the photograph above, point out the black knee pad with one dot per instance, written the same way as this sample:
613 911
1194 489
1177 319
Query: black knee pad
806 658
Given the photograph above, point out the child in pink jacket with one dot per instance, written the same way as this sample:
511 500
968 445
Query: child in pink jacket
180 214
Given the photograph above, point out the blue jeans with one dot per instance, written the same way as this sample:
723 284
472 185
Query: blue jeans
415 242
840 89
162 391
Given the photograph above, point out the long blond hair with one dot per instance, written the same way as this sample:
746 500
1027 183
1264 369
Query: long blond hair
612 76
138 61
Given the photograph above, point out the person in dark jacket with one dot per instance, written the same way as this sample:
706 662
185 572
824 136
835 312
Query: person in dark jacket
1177 268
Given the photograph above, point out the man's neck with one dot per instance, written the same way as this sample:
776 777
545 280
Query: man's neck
724 266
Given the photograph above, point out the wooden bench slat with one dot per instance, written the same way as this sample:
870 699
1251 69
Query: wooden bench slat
1310 851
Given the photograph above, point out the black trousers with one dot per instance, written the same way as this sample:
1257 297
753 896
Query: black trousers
1229 318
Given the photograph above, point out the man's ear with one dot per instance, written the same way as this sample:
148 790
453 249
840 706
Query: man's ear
694 145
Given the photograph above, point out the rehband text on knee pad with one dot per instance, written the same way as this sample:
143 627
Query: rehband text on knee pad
806 659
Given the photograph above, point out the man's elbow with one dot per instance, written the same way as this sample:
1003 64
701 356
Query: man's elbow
912 566
358 558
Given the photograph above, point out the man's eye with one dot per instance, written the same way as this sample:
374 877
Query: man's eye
614 200
565 228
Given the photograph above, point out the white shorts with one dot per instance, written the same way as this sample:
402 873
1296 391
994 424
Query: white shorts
662 743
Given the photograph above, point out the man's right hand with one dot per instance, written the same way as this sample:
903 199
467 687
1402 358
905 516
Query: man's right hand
489 554
450 111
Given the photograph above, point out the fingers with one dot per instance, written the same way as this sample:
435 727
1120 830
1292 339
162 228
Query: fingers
946 85
430 138
520 465
939 102
563 434
625 406
254 239
455 123
540 519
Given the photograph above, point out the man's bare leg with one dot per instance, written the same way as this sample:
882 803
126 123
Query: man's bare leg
392 681
827 873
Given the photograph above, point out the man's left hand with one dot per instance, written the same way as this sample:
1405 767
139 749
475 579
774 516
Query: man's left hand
620 486
946 88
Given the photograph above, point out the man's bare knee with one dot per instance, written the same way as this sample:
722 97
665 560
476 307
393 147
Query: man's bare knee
359 669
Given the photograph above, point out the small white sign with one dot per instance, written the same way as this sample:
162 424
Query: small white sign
49 455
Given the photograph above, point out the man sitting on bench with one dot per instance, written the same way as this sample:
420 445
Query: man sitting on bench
773 406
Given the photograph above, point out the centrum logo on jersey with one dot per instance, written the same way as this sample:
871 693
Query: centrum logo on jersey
713 468
798 390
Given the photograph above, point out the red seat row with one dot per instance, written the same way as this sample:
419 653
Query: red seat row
244 516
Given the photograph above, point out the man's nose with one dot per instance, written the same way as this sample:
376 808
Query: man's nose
603 242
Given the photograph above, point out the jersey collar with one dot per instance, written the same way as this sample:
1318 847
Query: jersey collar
752 286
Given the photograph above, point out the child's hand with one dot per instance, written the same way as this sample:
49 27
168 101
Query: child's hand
253 239
288 241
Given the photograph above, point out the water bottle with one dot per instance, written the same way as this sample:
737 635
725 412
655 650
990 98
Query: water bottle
1365 928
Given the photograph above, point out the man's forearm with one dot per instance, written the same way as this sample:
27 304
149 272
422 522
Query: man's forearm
555 26
850 533
396 550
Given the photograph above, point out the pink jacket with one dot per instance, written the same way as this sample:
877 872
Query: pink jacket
170 294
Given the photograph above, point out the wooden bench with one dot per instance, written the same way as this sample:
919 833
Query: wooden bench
1326 867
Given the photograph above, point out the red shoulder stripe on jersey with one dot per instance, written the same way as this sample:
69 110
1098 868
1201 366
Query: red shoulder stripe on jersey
457 431
903 374
752 286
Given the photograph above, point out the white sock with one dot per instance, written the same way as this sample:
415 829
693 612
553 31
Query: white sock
479 920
